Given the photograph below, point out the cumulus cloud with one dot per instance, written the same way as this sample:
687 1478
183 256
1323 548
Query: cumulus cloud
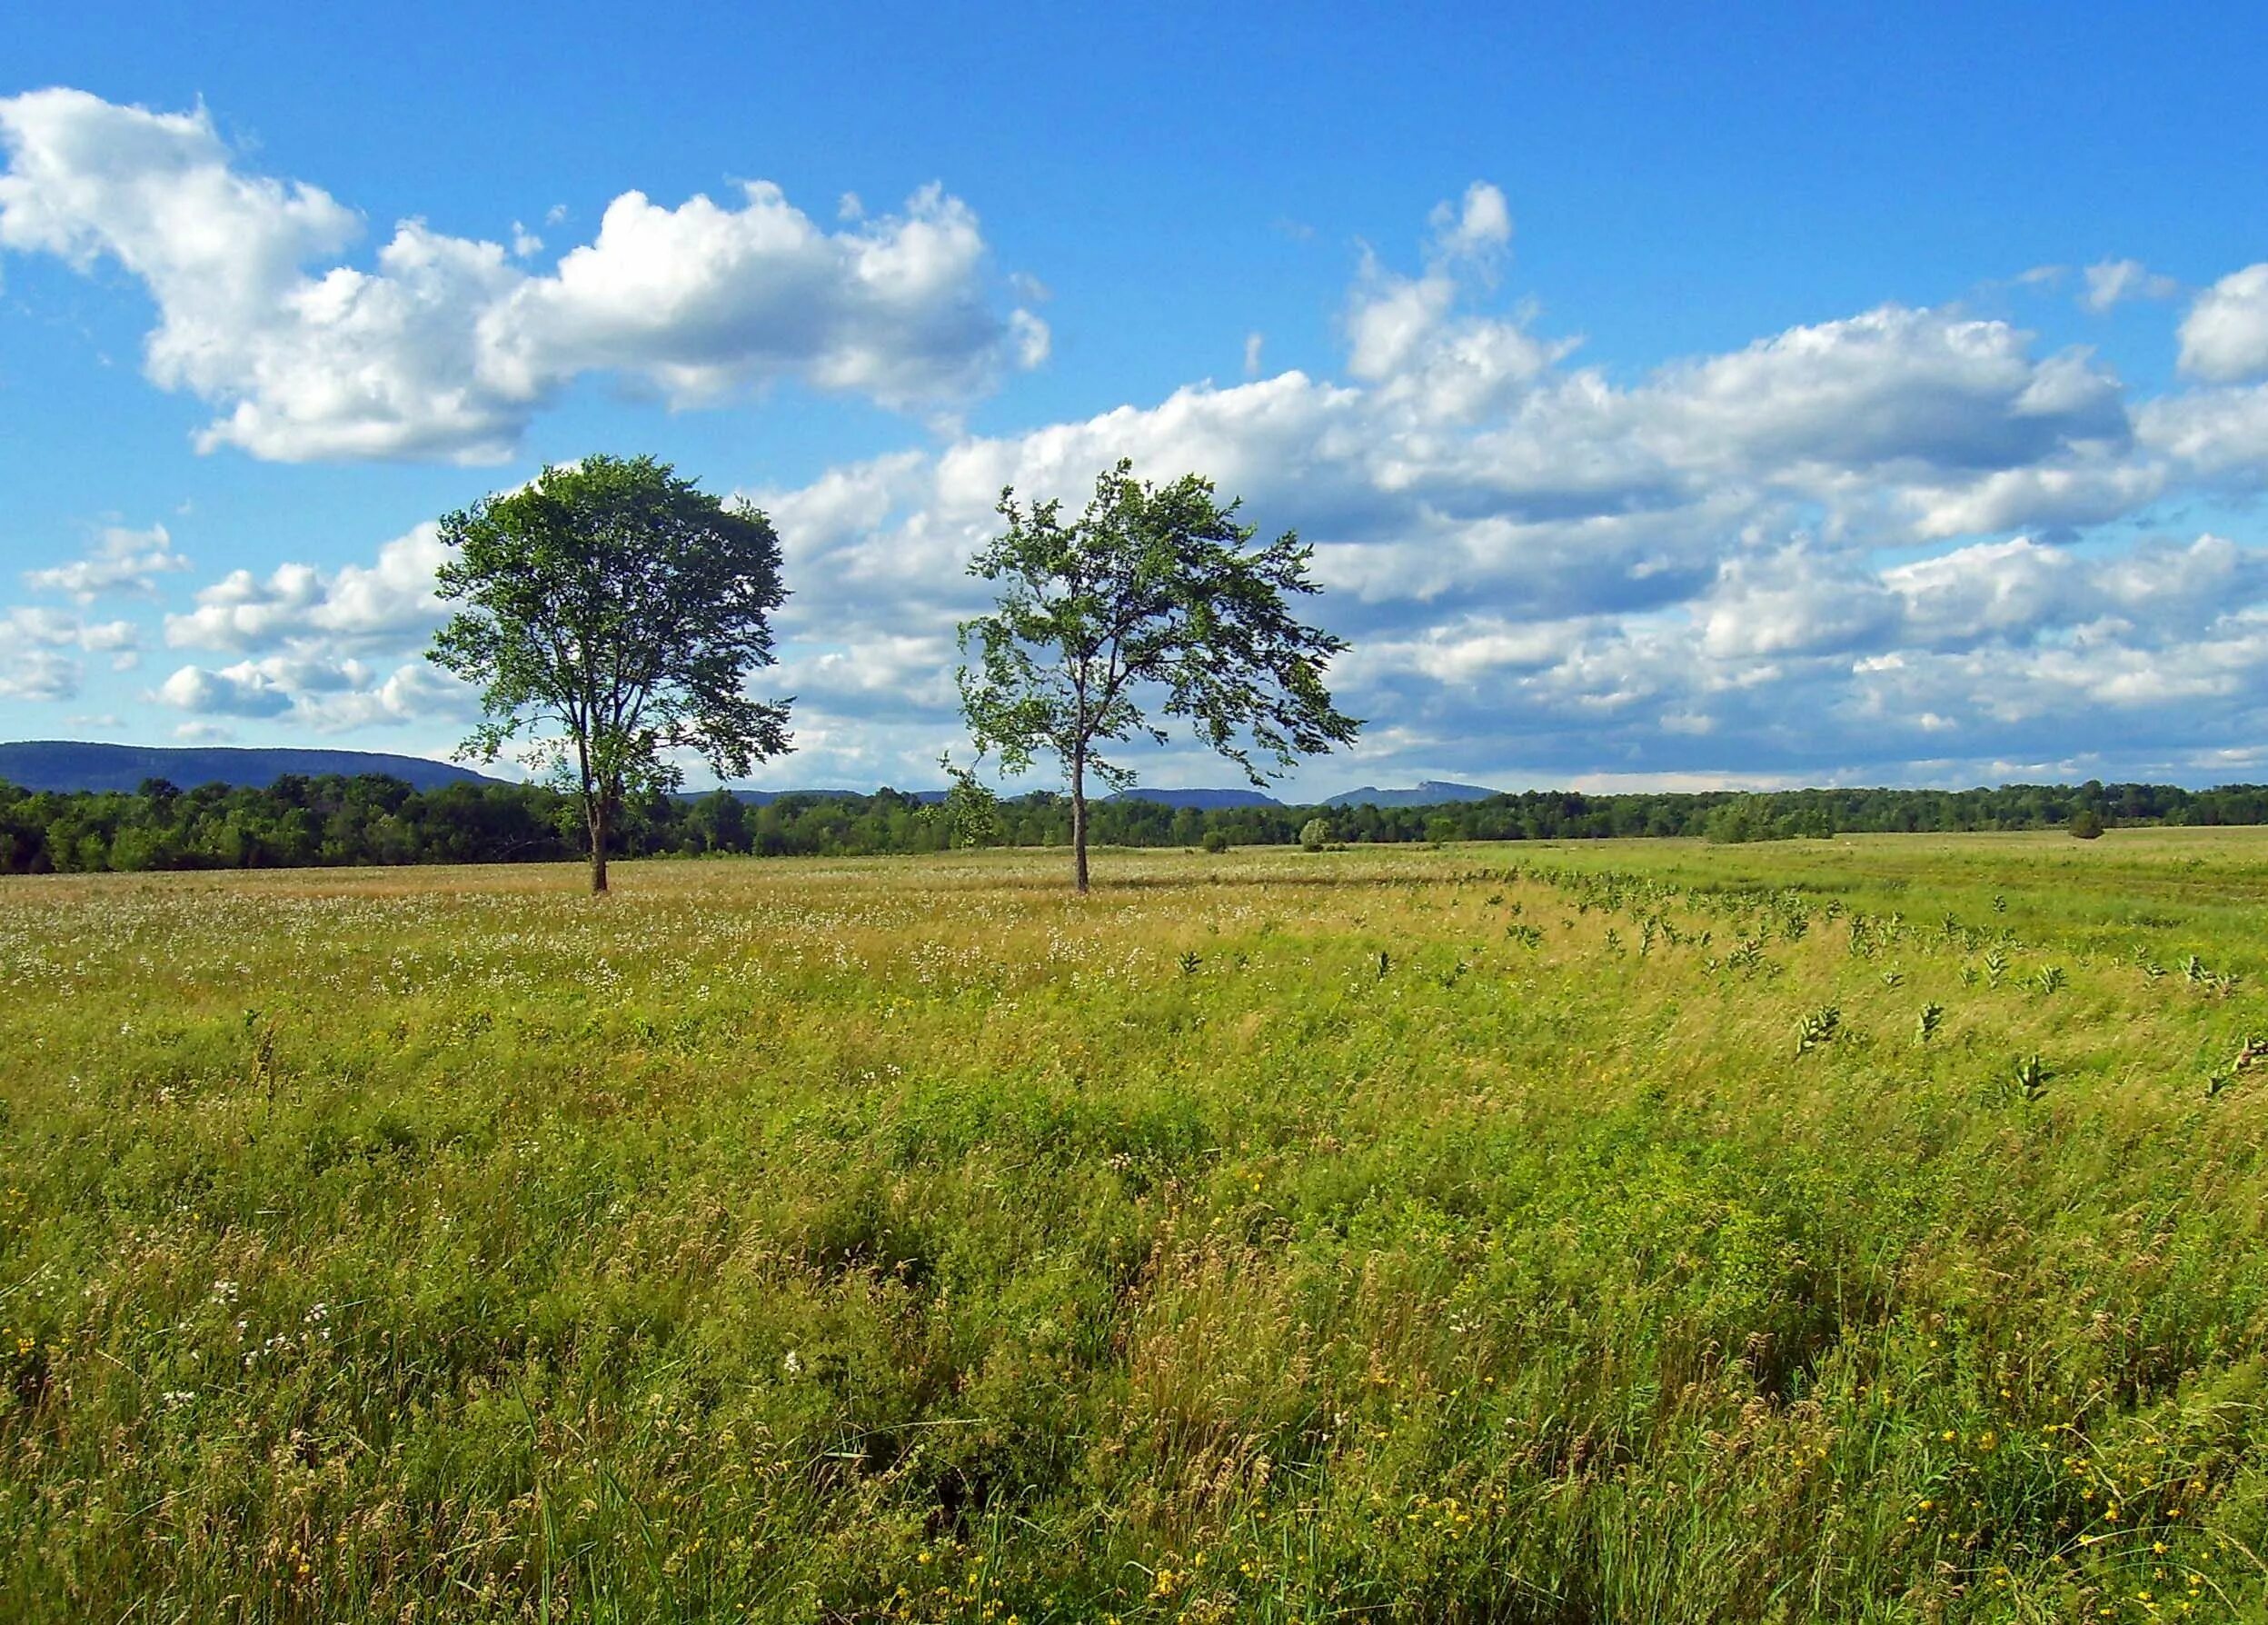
324 695
2224 337
61 628
243 690
448 345
1568 495
41 674
123 562
40 646
1409 335
382 604
2214 435
2112 281
1476 227
1548 571
1905 542
332 651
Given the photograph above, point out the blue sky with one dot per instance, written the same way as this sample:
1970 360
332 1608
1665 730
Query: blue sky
1779 398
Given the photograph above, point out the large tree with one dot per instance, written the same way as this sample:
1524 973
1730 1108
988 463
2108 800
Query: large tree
1153 602
611 614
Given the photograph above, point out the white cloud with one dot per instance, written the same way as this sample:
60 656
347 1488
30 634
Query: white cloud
43 674
2212 434
1792 601
61 628
1477 228
1905 542
383 605
39 647
2224 337
122 560
1555 569
318 693
243 690
2110 282
447 347
414 691
2071 493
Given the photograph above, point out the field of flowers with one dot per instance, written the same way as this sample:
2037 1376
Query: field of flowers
1863 1230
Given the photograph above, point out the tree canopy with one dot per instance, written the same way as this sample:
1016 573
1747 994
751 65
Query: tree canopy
1152 602
611 614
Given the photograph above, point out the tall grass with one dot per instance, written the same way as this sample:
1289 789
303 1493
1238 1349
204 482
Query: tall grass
1493 1233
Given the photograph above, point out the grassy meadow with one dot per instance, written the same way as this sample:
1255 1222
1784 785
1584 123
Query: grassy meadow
1863 1230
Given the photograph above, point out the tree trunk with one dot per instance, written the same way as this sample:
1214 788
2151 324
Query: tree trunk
598 844
1078 821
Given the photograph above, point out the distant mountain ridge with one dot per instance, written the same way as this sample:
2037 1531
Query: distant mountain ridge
1428 792
67 764
1202 800
764 798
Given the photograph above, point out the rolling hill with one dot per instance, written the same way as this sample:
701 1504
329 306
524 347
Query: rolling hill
1428 792
73 764
1203 800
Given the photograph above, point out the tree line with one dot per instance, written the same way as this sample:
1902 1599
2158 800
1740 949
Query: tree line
378 820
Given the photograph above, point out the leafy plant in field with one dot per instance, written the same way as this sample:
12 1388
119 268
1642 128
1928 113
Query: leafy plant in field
261 1072
1926 1024
1820 1027
2050 978
2031 1078
1996 966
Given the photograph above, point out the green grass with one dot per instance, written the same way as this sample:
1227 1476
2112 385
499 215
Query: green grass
1501 1233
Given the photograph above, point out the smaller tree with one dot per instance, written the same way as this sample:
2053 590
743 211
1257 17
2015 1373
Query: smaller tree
1314 835
970 812
611 614
2087 824
1153 600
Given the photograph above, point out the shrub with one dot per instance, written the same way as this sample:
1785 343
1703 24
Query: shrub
1314 835
2087 824
1216 840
